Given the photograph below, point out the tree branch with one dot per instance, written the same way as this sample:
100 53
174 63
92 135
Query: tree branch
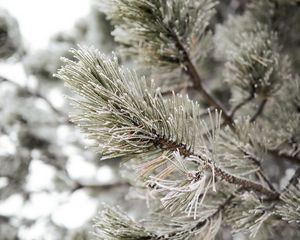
242 182
38 95
219 209
191 71
228 119
201 223
259 110
242 103
99 187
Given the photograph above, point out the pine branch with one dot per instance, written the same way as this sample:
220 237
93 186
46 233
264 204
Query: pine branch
144 21
120 97
191 71
115 225
237 145
132 17
112 224
147 28
220 208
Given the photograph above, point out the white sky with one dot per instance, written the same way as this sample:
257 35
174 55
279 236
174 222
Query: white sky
40 19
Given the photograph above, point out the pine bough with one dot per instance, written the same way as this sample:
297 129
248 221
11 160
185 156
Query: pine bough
205 171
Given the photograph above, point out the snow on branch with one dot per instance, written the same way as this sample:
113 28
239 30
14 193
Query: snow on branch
162 32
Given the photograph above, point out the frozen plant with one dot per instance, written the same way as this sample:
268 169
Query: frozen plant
205 164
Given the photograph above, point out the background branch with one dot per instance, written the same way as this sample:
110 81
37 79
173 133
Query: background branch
38 95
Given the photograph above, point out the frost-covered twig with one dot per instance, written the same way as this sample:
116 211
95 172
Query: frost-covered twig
135 116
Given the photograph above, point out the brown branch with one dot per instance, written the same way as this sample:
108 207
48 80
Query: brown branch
242 182
191 71
245 184
259 110
259 172
240 105
267 181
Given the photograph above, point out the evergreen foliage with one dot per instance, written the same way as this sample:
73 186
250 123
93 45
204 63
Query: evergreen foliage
201 169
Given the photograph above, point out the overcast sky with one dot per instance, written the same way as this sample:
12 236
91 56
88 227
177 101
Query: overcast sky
40 19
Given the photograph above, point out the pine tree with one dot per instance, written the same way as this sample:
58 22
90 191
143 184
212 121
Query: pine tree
205 163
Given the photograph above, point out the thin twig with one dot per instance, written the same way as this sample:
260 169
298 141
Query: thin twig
267 181
99 187
259 172
259 110
201 223
192 72
38 95
241 104
220 208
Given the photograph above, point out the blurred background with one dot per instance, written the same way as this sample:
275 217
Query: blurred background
51 185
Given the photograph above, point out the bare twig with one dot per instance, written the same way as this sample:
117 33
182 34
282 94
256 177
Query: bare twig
259 110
